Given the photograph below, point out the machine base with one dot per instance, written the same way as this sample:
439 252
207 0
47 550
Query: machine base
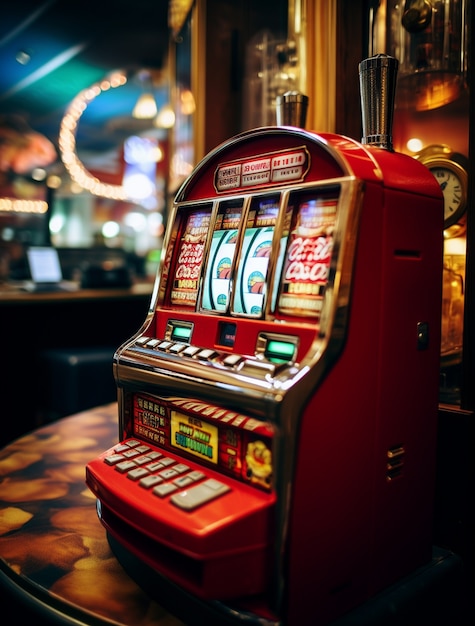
432 594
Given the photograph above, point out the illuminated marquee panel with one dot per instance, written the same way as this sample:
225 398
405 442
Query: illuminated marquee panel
238 445
276 168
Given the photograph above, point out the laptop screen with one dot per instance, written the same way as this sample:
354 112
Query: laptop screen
44 264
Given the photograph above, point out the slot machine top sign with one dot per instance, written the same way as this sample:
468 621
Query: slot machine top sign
277 156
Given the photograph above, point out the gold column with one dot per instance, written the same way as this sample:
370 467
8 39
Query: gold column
312 24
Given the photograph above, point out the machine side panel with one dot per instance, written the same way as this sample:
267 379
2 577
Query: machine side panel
330 523
409 376
365 520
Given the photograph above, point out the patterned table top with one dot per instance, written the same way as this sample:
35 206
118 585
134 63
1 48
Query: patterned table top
51 540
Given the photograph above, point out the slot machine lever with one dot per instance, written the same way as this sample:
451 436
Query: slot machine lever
291 109
378 76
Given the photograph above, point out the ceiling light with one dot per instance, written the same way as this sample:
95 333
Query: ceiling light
23 57
145 108
165 117
187 101
38 174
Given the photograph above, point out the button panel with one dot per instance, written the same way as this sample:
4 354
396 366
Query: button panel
163 475
231 361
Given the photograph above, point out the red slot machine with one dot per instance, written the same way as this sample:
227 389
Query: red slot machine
277 409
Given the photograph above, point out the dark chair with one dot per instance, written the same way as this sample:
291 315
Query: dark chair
74 379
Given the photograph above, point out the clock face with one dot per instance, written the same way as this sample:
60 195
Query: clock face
452 177
453 190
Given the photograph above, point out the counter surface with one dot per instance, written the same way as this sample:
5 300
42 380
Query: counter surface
53 548
14 295
39 322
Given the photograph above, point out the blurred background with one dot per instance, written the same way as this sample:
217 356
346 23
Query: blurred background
84 133
105 108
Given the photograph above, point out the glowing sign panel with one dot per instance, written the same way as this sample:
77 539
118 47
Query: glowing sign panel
263 169
309 252
190 258
195 436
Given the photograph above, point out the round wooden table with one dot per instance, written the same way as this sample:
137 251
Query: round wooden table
56 566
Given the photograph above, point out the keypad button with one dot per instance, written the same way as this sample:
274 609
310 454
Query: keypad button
215 485
143 449
183 481
131 453
166 461
150 481
196 475
137 473
180 468
113 459
125 466
168 473
198 495
153 454
142 460
163 490
155 466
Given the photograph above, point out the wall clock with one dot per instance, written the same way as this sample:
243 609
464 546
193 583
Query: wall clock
450 171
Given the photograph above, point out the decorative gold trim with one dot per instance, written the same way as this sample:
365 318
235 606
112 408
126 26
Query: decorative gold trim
178 11
198 75
317 42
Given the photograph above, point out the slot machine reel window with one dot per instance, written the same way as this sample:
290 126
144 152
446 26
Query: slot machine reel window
226 259
252 270
221 258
